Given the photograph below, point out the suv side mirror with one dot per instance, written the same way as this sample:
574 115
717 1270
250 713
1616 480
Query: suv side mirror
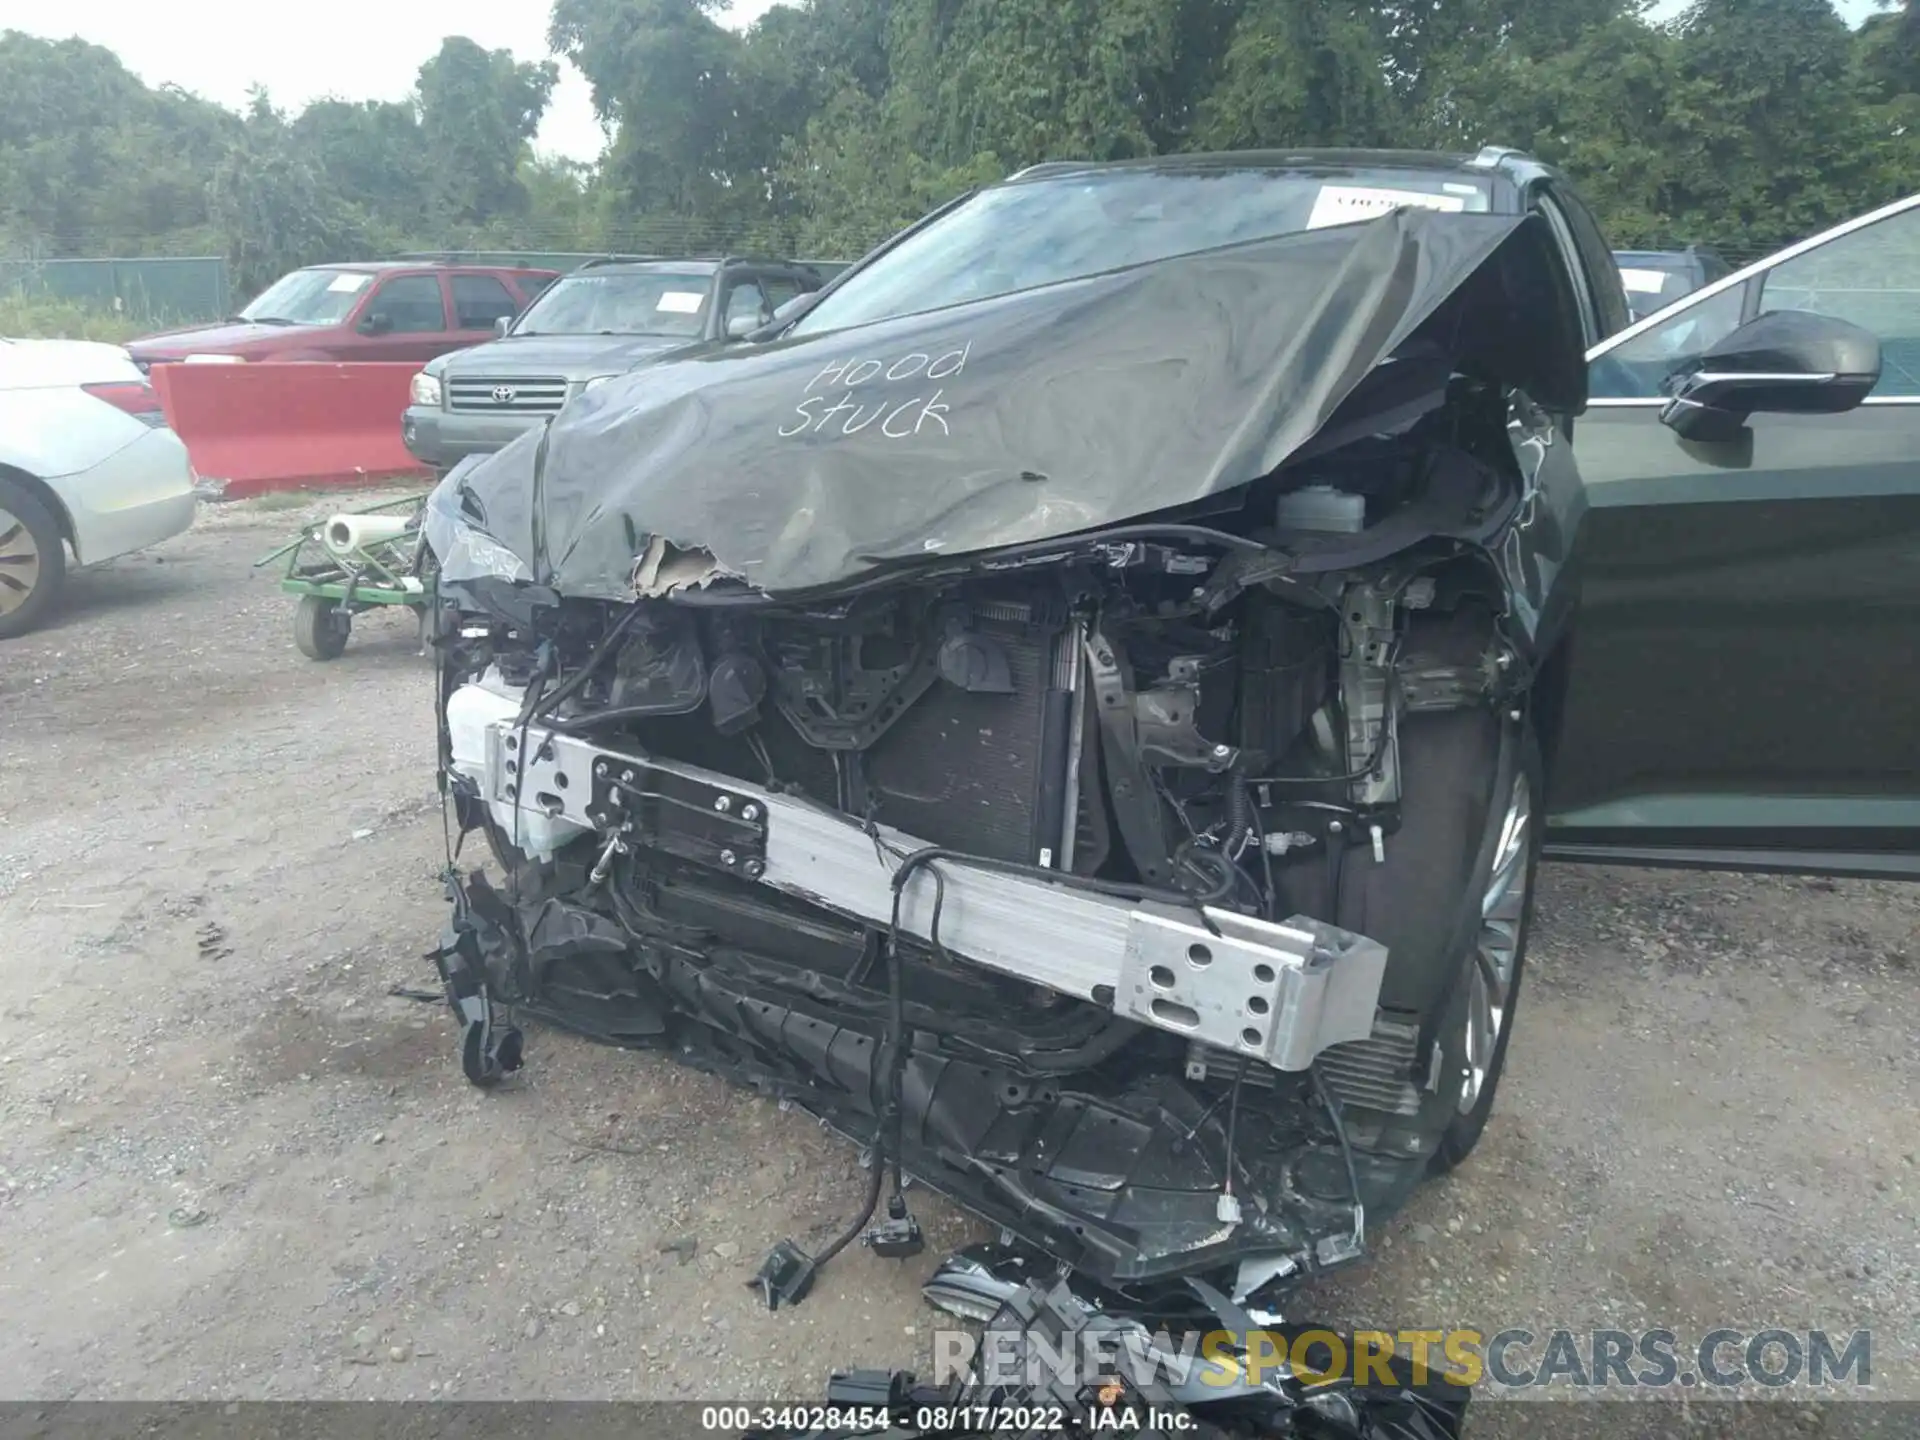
502 325
1790 362
376 323
740 325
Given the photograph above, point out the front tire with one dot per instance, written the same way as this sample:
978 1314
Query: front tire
1479 1016
1425 899
33 560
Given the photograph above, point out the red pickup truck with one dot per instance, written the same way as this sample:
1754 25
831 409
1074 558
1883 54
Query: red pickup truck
380 310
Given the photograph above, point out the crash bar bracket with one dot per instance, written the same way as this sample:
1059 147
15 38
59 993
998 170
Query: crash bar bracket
1325 981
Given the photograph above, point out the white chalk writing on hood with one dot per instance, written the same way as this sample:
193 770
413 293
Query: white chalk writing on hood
874 394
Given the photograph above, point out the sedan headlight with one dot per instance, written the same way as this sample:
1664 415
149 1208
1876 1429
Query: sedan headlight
425 389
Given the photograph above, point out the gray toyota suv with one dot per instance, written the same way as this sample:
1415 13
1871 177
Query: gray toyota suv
598 321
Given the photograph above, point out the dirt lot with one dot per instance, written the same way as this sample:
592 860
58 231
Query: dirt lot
232 1165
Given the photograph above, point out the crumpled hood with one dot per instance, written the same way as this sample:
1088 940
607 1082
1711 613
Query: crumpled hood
558 354
808 461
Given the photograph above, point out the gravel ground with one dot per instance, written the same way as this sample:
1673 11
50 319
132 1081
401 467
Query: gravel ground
232 1165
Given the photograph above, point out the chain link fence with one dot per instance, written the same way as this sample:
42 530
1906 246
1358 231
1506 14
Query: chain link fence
152 292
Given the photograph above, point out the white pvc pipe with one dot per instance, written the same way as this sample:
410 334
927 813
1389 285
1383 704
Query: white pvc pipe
345 533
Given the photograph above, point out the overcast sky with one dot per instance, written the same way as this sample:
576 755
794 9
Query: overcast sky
356 49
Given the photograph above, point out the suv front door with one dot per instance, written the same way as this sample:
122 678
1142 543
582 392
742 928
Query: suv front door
1744 674
404 319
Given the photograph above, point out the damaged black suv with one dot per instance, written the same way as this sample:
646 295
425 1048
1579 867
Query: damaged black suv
1065 704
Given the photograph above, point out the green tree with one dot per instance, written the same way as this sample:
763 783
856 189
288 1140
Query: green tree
1890 51
479 111
92 161
370 152
272 203
1300 72
1784 144
1030 81
662 72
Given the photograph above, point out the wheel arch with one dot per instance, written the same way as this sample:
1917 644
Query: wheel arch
48 497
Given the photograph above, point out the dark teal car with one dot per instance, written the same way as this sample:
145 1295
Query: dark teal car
1738 684
1080 699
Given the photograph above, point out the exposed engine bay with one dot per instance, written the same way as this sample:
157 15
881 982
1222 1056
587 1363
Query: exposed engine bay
1152 883
1034 870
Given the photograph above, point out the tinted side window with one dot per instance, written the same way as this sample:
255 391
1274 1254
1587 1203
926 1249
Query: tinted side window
1642 367
1870 277
478 301
746 299
780 289
412 303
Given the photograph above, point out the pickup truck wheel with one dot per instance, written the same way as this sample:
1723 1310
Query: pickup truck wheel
33 560
320 628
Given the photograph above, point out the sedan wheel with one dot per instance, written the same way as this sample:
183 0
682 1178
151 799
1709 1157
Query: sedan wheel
32 560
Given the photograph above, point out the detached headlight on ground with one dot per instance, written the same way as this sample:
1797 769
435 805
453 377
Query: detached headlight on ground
425 389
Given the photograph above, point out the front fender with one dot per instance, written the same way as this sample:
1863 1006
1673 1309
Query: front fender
1538 555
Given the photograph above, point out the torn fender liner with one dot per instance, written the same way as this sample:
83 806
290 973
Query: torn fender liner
508 952
809 461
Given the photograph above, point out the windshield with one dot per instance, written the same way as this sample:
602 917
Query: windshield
648 303
1038 232
309 297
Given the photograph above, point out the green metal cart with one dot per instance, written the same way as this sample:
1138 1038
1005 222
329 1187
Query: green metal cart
336 581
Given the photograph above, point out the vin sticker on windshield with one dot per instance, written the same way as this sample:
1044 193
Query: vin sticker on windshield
681 302
348 282
1343 204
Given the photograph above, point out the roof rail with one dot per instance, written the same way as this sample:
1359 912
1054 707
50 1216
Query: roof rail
472 259
1490 156
756 260
1048 167
618 259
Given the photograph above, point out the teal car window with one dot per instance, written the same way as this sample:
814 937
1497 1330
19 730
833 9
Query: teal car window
1647 366
1870 277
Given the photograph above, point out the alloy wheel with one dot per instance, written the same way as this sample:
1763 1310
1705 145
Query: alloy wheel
1503 907
19 562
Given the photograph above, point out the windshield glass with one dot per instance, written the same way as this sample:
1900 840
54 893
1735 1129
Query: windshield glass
620 304
1038 232
309 297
